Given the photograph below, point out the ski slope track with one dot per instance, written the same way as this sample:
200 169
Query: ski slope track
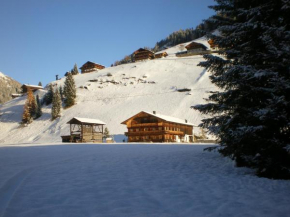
142 86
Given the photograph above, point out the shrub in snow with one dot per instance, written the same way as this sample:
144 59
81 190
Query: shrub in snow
109 74
251 113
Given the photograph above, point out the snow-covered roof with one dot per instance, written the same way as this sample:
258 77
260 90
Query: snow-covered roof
166 118
88 121
93 63
33 86
160 52
169 118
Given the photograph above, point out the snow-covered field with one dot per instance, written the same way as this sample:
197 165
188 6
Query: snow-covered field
132 180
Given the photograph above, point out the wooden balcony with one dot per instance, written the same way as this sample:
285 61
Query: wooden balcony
154 132
146 124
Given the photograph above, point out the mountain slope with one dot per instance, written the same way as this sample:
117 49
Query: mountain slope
8 86
149 85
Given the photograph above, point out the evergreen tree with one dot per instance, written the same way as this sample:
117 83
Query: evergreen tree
29 108
56 105
34 107
75 70
251 112
61 92
69 91
26 117
38 111
106 133
49 95
40 84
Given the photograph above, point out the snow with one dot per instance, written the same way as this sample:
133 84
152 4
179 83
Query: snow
2 75
132 180
90 121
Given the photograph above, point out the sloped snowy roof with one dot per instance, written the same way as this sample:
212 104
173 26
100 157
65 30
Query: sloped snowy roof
88 121
169 118
88 62
33 86
164 117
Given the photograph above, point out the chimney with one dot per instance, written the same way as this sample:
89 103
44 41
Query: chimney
185 121
154 112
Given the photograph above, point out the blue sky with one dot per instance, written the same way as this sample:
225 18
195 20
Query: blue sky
42 38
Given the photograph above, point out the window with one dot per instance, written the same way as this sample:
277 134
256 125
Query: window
137 129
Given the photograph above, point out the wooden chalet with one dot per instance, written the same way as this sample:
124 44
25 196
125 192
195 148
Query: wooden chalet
161 55
90 67
213 46
152 127
85 130
15 95
143 54
195 47
34 88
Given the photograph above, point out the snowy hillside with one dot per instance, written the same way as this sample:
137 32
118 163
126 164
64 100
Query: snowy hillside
150 85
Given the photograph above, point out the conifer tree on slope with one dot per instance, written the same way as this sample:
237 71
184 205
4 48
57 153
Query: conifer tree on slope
26 117
75 70
69 91
251 114
49 95
29 108
56 105
38 111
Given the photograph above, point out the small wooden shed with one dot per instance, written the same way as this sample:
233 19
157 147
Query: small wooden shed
85 130
90 67
195 47
143 54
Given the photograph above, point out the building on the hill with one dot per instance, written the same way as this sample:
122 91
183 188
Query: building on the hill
143 54
15 95
85 130
213 46
90 67
34 88
161 54
195 48
153 127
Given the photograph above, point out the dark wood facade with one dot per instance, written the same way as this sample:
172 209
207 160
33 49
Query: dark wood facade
195 47
160 55
213 46
34 88
90 67
143 54
149 127
85 130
